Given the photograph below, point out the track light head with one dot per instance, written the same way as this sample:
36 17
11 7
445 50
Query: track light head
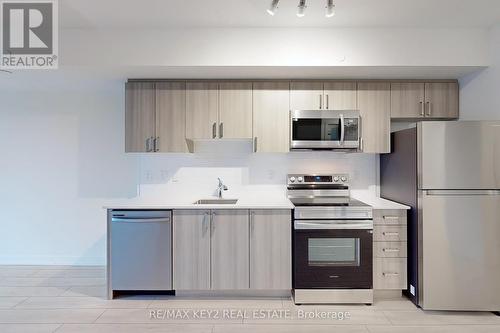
273 7
330 8
301 9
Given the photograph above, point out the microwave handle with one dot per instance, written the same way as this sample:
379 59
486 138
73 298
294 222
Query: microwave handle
342 129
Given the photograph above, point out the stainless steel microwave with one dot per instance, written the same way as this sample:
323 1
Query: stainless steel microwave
324 129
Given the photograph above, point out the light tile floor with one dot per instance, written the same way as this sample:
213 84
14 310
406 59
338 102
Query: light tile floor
73 299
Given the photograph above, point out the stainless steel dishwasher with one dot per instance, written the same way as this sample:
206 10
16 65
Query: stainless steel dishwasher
139 250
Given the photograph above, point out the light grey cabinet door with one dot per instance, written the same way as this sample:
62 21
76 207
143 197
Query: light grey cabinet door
270 249
230 250
171 117
374 103
235 110
139 116
307 95
191 253
271 116
202 110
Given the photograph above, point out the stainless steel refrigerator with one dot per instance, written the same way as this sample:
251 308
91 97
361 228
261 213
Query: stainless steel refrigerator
449 173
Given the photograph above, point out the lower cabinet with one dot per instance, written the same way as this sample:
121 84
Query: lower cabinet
191 249
229 258
232 249
270 249
389 249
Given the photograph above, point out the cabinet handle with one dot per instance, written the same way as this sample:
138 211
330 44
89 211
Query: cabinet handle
221 130
390 250
255 144
429 110
156 143
422 109
148 140
206 222
327 102
214 130
390 233
390 274
212 224
320 102
252 223
389 217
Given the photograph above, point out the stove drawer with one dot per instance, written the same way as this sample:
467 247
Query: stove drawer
385 233
390 249
389 273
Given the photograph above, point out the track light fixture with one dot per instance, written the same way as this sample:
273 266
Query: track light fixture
301 10
273 7
330 8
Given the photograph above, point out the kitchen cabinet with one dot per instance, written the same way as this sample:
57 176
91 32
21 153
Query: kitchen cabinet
441 100
271 116
374 104
418 100
202 110
270 249
170 117
390 249
232 249
340 95
153 113
229 250
139 116
191 248
329 95
235 110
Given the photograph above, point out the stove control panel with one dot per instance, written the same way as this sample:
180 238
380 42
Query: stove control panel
340 179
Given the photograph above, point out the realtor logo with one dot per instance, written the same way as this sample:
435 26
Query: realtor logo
29 34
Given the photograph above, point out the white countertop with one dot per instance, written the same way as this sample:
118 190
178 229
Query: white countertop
380 203
245 203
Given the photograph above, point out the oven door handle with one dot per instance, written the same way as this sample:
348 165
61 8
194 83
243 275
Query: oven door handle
332 225
342 129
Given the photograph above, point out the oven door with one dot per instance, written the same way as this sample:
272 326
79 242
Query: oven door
333 254
324 129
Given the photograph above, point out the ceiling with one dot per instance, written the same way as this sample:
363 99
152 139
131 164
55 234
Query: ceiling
252 13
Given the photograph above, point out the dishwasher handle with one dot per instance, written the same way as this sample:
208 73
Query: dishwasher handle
140 220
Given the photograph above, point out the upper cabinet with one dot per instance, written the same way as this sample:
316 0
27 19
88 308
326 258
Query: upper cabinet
202 110
329 95
340 95
218 110
374 103
170 117
139 116
153 112
271 116
235 110
414 100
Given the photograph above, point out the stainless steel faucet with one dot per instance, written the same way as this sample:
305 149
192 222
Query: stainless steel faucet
221 187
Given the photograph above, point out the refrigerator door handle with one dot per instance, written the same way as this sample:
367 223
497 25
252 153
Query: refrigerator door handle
462 192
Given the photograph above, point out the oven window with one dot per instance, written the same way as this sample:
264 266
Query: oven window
333 252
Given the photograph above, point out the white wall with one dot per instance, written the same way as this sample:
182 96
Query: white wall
275 47
480 92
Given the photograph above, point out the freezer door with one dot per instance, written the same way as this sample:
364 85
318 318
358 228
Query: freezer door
459 155
460 261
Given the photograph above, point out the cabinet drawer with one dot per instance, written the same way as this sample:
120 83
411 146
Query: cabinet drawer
389 273
390 249
389 217
389 233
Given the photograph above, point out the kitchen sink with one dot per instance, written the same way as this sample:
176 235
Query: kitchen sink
216 202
